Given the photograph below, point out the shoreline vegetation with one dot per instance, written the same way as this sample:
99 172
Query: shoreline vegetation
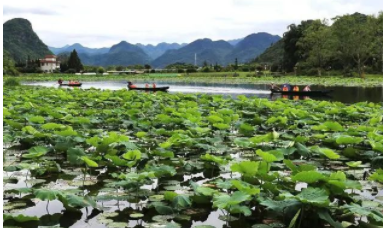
224 77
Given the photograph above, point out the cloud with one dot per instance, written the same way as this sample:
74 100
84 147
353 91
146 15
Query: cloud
100 23
9 10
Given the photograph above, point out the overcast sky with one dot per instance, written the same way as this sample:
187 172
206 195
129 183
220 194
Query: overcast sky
104 23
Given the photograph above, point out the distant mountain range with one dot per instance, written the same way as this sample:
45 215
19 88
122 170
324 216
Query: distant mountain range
20 41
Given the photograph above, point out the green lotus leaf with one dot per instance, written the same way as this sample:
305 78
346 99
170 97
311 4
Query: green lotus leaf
302 150
74 156
141 134
223 201
324 214
329 126
215 119
245 187
133 155
52 126
221 126
377 176
354 164
181 201
164 210
89 162
78 201
68 132
377 146
280 206
161 171
168 195
36 119
237 209
19 218
212 158
136 215
308 177
242 142
116 160
315 196
36 152
246 168
364 211
46 194
262 138
346 139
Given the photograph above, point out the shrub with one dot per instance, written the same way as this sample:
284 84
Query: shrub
12 82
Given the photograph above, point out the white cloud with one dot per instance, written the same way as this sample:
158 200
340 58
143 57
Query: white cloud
104 23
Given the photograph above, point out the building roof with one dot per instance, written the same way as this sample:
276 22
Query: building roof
50 56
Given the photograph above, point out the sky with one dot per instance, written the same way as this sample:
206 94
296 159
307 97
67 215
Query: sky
104 23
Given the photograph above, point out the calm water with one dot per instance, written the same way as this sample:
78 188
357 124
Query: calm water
341 94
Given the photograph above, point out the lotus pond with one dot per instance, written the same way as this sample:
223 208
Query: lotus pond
102 158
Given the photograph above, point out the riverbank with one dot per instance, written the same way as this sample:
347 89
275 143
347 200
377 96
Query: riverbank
226 77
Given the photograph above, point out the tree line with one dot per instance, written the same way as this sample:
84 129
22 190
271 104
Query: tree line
352 43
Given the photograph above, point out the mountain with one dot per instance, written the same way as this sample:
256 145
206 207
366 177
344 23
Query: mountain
80 49
235 41
250 47
122 53
155 51
21 42
273 54
206 50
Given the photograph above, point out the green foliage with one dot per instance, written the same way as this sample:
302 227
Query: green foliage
11 82
74 62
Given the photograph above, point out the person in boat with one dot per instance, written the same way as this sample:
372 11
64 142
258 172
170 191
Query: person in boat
296 88
307 88
130 84
285 88
60 81
146 85
275 87
154 85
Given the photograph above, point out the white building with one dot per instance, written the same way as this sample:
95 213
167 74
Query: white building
49 63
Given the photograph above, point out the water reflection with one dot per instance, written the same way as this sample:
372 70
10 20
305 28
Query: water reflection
341 94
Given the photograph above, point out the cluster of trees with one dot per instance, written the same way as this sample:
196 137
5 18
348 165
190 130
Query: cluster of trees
8 65
353 43
71 64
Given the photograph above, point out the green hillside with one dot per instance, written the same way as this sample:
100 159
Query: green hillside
20 41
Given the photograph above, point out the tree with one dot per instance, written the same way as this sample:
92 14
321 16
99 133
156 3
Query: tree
100 70
378 27
292 53
120 68
147 67
316 44
8 65
354 39
236 64
74 62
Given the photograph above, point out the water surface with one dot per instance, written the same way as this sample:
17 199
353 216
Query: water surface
341 94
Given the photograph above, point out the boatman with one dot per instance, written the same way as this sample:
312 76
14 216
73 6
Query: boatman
130 84
60 81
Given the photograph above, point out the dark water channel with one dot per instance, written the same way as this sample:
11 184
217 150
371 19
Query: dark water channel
340 93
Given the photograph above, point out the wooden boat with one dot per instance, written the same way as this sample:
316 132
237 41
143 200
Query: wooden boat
302 93
74 85
150 89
